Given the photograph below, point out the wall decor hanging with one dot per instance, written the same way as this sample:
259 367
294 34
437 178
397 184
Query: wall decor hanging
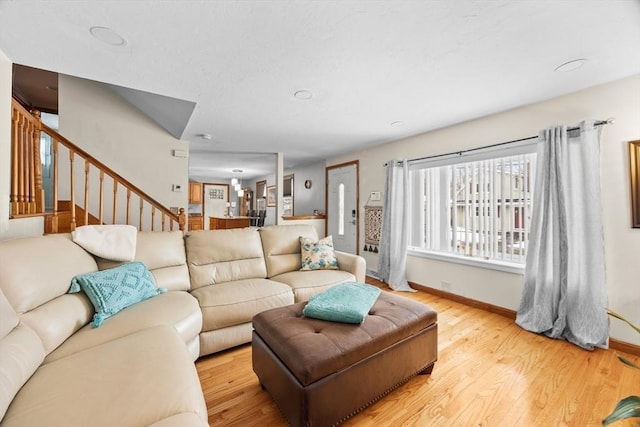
372 227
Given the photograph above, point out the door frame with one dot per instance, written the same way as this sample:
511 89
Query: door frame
326 198
204 216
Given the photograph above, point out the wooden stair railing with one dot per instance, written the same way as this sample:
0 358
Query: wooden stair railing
88 181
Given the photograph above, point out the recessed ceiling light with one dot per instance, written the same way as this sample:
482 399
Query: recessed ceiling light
397 123
205 136
571 65
303 94
108 36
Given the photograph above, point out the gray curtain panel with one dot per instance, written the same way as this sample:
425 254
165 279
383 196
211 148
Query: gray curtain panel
394 238
564 294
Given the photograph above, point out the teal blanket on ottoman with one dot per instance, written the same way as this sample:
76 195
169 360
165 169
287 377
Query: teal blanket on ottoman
347 303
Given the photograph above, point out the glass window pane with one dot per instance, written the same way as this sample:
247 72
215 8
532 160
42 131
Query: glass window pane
480 209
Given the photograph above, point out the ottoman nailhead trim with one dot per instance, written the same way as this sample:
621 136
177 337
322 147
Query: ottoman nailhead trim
380 396
372 401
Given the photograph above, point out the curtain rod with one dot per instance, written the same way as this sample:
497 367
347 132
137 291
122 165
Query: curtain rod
608 121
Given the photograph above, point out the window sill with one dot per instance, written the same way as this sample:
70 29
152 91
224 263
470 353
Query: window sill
508 267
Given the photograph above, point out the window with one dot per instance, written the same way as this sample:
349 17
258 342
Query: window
474 208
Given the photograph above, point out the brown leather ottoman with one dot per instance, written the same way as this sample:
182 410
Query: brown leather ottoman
320 373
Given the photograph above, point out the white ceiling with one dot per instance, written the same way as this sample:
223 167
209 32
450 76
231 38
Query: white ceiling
368 64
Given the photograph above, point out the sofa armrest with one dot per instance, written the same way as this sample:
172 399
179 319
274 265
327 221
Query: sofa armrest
354 264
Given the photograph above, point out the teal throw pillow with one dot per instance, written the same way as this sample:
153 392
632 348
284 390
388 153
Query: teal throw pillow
317 255
347 303
115 289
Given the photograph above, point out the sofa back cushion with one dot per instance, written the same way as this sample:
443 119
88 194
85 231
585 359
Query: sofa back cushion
21 353
164 255
281 246
37 270
35 275
219 256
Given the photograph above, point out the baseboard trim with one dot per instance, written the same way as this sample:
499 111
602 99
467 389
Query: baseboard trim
624 347
466 301
614 344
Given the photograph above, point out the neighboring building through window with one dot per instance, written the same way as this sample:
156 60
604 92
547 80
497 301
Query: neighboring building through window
475 208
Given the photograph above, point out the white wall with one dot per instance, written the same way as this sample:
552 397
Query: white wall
110 129
619 99
306 200
5 140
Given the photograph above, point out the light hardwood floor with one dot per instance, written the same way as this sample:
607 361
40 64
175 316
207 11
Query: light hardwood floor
489 373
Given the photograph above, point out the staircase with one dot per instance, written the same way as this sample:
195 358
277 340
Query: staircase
84 190
64 218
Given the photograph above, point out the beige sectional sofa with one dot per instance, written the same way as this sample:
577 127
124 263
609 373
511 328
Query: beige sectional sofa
137 368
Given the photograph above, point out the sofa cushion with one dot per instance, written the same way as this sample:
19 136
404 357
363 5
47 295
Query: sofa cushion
38 269
136 380
219 256
8 317
317 255
21 353
234 303
115 289
305 284
164 255
71 311
176 308
281 245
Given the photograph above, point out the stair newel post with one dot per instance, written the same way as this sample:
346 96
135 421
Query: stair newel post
182 220
38 189
101 207
15 171
86 192
54 219
72 191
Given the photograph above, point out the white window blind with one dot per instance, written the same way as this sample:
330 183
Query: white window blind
479 207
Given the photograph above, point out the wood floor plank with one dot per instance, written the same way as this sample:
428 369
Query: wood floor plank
489 372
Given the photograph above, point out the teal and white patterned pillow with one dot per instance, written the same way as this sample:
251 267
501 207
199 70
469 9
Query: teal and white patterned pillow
317 255
115 289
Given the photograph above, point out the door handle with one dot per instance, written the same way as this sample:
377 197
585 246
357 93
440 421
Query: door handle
353 221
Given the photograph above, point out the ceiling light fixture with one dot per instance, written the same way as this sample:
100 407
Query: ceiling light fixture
397 123
234 181
108 36
205 136
571 65
303 94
